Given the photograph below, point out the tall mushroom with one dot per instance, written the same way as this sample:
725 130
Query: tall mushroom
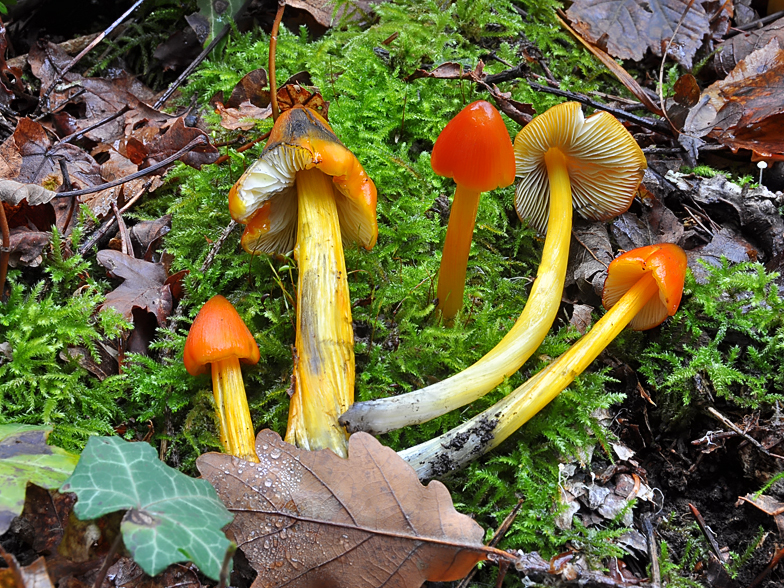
218 341
643 288
475 150
562 158
307 185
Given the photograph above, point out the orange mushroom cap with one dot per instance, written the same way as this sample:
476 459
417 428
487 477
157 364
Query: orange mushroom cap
218 333
475 149
301 139
666 262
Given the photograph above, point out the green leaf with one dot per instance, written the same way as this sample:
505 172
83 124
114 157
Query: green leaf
171 518
25 457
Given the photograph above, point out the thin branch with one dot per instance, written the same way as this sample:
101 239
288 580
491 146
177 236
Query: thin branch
655 125
191 68
200 140
86 50
663 61
82 132
272 51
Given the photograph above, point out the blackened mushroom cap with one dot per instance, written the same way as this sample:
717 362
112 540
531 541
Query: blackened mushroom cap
605 164
265 196
666 263
474 148
218 333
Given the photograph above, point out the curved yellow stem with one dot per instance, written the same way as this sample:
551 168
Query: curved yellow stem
236 427
457 246
324 366
488 429
419 406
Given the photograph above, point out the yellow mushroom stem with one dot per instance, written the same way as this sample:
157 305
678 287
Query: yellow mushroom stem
488 429
525 336
236 428
457 246
324 365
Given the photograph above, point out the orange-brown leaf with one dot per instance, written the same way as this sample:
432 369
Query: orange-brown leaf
313 519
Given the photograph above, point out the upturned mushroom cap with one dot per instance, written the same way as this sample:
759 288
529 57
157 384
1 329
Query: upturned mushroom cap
475 149
605 164
218 333
265 197
666 262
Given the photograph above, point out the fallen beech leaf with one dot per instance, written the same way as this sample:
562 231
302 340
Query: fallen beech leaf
630 27
313 519
33 576
242 118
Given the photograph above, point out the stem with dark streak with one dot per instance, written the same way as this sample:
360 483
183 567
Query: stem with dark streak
272 51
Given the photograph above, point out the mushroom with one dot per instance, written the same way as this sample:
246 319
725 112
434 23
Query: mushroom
218 341
309 185
561 157
643 288
474 148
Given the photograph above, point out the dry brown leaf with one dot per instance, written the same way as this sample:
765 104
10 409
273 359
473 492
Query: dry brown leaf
251 89
630 27
731 52
242 118
312 519
144 287
619 72
745 110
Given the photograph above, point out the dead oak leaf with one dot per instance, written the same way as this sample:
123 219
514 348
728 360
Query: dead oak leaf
630 27
312 519
144 287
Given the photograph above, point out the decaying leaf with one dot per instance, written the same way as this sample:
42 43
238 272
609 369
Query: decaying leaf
310 518
25 457
144 287
745 110
732 51
630 27
33 576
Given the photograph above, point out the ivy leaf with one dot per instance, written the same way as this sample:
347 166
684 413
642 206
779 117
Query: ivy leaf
171 518
25 457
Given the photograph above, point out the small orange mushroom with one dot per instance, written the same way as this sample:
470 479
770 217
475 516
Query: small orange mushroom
475 149
218 341
643 288
309 193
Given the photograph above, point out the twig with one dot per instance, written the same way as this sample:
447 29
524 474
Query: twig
200 140
272 50
497 536
706 530
85 51
104 228
125 239
190 69
245 147
103 121
5 250
728 423
664 60
769 568
588 249
754 24
216 247
653 550
224 573
108 560
655 125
